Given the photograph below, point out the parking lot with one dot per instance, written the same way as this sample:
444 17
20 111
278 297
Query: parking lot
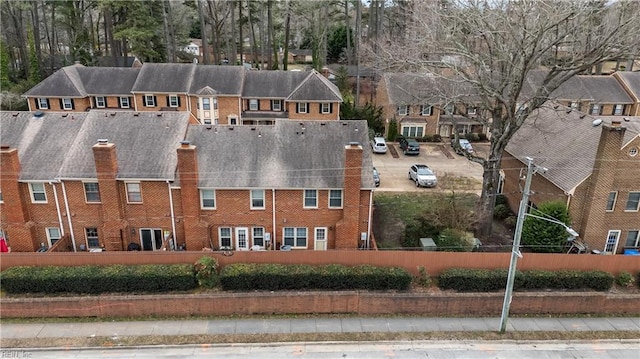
453 171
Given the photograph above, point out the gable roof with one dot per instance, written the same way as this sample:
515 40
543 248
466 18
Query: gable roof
225 80
164 78
287 155
59 145
412 88
108 80
145 144
632 79
42 142
564 143
272 84
65 82
316 88
593 88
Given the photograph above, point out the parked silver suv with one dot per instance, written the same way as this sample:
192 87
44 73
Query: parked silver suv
422 175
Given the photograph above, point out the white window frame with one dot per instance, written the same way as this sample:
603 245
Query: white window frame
67 104
471 110
325 108
130 191
341 198
101 102
124 102
295 236
43 104
86 193
613 203
613 238
89 237
635 242
306 196
626 207
257 196
257 233
276 105
301 107
52 237
403 110
595 109
412 131
253 104
36 191
428 112
212 197
149 101
173 101
222 237
618 109
206 104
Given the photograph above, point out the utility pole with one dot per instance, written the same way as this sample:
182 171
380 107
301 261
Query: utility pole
515 251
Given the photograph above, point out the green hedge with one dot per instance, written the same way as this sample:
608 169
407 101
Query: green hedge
249 276
482 280
99 279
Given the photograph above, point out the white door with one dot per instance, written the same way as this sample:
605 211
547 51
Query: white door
242 238
320 239
612 242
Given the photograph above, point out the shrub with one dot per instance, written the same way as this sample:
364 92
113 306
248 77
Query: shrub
99 279
454 240
206 269
502 211
482 280
511 222
427 138
624 279
423 278
482 137
473 137
544 236
251 276
501 199
437 138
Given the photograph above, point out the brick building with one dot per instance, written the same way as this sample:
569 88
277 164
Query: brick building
104 179
595 170
210 94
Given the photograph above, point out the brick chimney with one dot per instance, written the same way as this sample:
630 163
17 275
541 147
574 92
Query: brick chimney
347 229
196 236
601 182
106 162
22 237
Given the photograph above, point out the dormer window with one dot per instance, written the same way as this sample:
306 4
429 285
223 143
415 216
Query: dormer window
618 110
43 103
276 105
149 101
426 110
100 102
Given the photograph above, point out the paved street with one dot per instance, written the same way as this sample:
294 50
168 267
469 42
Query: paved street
609 349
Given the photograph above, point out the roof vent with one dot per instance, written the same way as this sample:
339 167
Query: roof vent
15 114
159 114
103 141
322 124
136 114
4 147
208 127
253 128
65 114
230 128
354 144
345 124
185 143
38 114
113 113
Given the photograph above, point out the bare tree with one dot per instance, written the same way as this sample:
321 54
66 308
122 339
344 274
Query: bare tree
494 47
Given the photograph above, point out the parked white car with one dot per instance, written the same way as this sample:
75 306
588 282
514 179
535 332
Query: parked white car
378 145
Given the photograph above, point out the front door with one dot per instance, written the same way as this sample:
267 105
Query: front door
320 239
242 238
150 239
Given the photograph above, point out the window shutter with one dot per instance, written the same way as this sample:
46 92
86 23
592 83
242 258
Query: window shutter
319 108
331 108
308 108
61 104
155 101
258 104
168 103
271 105
73 105
48 105
421 109
178 101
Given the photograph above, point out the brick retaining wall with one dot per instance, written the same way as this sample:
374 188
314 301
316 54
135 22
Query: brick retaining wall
364 303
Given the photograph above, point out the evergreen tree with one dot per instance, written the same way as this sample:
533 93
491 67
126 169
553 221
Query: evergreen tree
4 68
544 236
34 67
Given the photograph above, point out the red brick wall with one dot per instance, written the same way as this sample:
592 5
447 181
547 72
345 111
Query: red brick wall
476 304
79 104
313 112
161 102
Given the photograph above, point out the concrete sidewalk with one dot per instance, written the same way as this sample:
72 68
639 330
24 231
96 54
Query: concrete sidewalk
310 325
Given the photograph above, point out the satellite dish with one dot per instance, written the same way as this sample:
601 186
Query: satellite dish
597 122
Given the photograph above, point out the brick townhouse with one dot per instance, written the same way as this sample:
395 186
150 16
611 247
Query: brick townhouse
594 169
210 94
104 179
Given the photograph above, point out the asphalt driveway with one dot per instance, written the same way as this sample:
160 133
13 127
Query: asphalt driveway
451 169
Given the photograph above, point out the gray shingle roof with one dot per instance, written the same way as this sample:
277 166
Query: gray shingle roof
54 146
63 83
225 80
164 78
316 88
43 143
108 80
563 143
595 88
412 88
632 79
145 144
272 84
285 155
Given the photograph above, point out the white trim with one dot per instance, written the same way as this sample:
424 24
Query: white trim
39 103
615 199
104 102
253 237
320 242
253 104
220 236
86 237
66 206
295 236
67 106
86 200
426 113
202 198
32 192
403 110
322 108
636 240
251 198
616 233
126 187
174 97
48 231
239 231
341 198
121 99
304 198
146 102
637 204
